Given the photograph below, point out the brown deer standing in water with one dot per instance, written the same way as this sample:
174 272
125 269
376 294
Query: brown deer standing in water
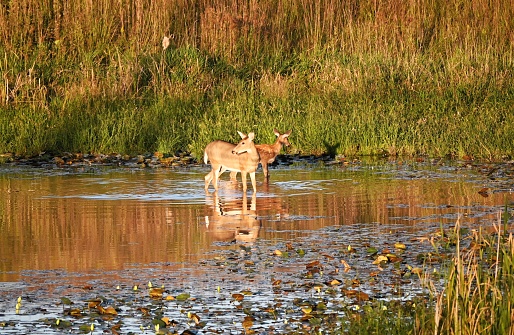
268 152
223 156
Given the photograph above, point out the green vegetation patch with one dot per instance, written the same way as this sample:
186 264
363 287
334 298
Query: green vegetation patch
414 78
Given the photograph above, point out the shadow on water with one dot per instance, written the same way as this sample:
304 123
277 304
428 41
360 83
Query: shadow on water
84 233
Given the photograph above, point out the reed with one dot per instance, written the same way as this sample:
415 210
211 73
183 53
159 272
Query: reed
478 294
425 77
476 298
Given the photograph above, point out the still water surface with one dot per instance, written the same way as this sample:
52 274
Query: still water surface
85 222
83 233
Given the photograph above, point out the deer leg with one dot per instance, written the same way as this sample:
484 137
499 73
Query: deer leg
233 175
243 179
265 170
252 177
216 173
223 169
208 179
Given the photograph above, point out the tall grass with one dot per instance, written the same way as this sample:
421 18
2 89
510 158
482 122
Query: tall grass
364 77
478 296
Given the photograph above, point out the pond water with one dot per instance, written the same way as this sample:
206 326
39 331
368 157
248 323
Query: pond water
88 231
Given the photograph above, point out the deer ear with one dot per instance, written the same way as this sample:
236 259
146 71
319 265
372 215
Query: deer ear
287 133
251 135
243 135
276 132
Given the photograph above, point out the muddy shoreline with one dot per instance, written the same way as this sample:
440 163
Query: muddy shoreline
181 159
498 173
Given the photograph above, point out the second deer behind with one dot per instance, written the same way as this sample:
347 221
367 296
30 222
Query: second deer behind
268 152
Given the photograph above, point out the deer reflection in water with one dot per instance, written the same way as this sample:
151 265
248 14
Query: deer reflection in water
232 219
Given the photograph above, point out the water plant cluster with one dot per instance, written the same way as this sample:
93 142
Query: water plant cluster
452 281
421 77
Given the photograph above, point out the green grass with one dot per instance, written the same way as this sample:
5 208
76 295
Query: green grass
392 122
396 78
198 99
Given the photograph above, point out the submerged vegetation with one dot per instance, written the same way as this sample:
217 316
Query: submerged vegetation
309 295
421 77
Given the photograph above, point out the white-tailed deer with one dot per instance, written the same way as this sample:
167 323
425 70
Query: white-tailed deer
268 152
223 156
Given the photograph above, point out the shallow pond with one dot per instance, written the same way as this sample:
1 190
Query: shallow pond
227 262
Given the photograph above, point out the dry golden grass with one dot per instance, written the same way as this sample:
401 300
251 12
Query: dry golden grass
229 28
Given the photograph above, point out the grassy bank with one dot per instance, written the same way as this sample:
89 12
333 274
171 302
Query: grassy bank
424 77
